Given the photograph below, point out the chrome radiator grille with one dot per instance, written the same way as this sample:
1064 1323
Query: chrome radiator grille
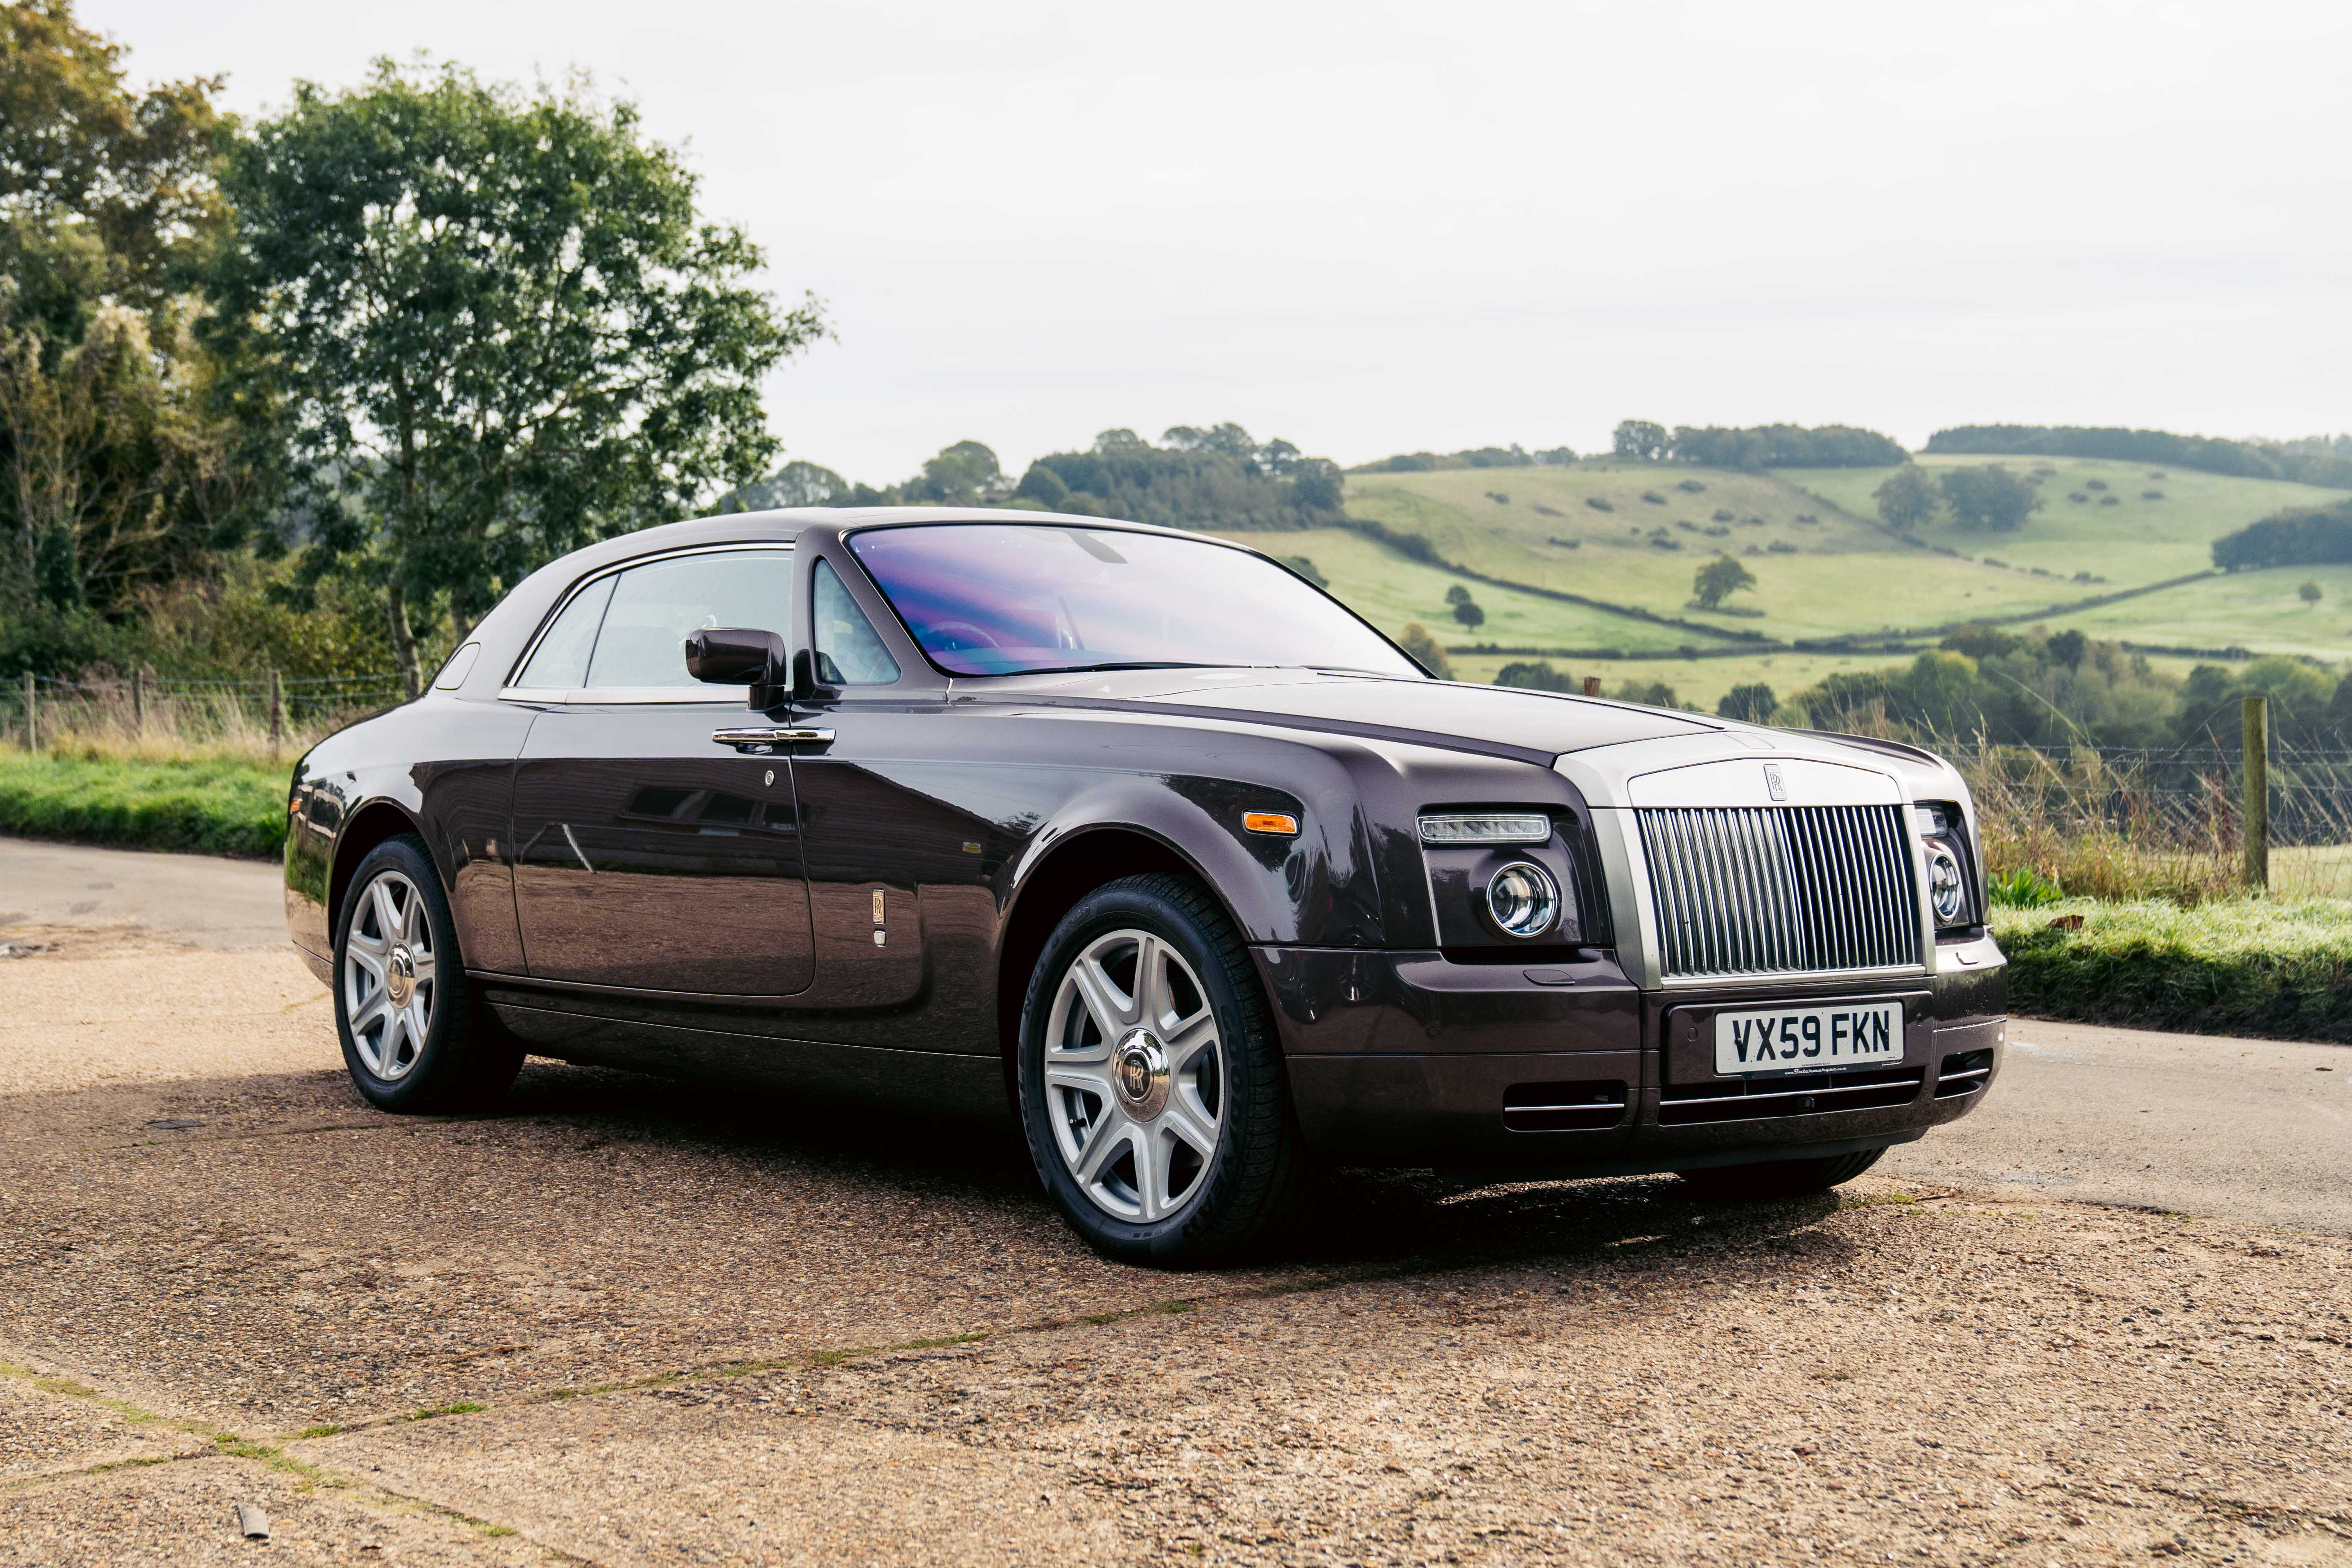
1781 889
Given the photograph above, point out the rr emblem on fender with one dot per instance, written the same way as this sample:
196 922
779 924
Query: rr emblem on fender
1773 781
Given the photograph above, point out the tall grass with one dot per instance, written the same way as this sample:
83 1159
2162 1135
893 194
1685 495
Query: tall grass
2129 827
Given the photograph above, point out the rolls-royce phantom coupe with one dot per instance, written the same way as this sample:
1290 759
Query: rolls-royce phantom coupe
1141 834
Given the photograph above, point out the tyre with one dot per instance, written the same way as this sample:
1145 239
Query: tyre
414 1037
1151 1080
1778 1178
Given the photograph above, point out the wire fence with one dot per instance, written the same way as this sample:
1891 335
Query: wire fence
147 710
2126 821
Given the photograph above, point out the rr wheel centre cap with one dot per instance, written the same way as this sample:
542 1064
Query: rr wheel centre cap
400 975
1139 1068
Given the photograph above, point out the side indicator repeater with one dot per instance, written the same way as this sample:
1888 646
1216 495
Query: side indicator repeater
1270 822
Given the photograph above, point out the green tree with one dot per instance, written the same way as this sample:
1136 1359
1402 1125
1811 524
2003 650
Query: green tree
1466 610
797 483
112 475
1990 496
1906 499
1719 579
498 327
1416 640
959 476
1640 441
1457 595
1749 704
2309 593
1305 568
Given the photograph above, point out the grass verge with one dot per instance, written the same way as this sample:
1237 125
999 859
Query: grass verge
219 806
2240 966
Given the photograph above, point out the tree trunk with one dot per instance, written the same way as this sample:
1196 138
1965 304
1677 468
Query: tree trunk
403 638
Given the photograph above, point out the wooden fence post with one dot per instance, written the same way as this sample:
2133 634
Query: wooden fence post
276 710
1592 686
139 700
31 723
2256 814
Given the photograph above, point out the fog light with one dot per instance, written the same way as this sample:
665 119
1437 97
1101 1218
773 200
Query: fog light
1522 900
1944 888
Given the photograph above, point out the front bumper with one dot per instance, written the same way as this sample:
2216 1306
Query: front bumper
1408 1058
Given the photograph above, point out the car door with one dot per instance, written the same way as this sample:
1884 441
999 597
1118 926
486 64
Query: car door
648 855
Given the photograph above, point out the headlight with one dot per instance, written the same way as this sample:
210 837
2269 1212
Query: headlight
1522 901
1945 890
1943 832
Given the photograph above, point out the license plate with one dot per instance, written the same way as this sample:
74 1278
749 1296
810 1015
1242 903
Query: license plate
1808 1039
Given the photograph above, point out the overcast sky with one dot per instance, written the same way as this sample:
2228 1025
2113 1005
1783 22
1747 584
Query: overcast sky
1370 227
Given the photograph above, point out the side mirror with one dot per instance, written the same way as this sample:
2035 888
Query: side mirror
734 656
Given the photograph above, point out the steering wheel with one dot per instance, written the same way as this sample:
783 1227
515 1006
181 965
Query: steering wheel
955 635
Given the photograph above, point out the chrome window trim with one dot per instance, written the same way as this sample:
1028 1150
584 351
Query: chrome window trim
727 696
509 692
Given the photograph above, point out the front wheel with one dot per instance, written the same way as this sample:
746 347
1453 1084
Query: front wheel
1778 1178
413 1036
1151 1081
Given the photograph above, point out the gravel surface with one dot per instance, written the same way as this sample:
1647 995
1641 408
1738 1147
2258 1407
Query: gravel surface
635 1323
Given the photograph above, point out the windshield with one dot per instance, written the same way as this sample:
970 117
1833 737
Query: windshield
1018 599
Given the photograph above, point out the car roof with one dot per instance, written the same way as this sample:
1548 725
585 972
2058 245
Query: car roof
786 522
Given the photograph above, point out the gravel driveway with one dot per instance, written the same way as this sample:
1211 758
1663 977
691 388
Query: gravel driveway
628 1323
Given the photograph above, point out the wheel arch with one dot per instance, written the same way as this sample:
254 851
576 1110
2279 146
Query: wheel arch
1067 872
369 826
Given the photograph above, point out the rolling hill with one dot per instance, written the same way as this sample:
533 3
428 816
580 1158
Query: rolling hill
2105 554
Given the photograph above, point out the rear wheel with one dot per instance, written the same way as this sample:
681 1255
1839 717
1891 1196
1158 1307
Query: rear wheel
414 1037
1778 1178
1151 1081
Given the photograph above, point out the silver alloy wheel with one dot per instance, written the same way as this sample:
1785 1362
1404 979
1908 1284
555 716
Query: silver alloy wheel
389 976
1134 1076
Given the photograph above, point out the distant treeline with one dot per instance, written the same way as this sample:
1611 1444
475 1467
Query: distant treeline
1757 447
1511 456
1220 476
2310 536
2314 461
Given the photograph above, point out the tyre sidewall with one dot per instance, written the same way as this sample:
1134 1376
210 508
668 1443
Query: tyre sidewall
428 1084
1242 1027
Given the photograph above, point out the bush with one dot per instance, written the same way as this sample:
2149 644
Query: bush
2094 484
1650 693
2023 888
2110 501
1654 498
1567 543
1536 675
1689 486
1751 704
1543 510
1781 547
1721 514
1599 504
2151 495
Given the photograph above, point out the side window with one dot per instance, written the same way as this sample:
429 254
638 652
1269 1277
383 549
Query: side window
654 606
561 661
849 651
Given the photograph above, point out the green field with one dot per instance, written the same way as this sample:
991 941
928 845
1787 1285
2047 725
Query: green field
2139 539
1389 589
1634 534
1838 575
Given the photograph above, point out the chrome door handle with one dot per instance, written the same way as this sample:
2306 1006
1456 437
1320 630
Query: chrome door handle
767 740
